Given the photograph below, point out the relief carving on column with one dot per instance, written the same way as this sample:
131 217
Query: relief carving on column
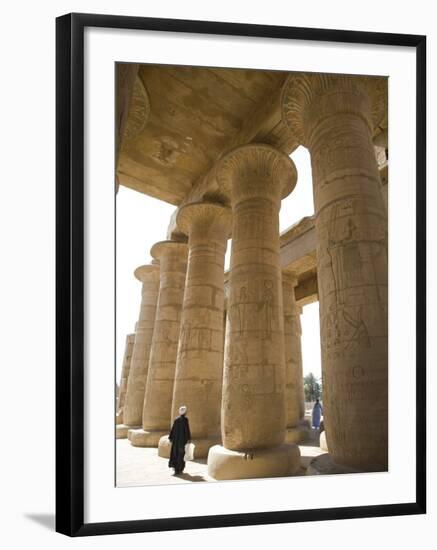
211 218
307 97
335 117
256 176
256 167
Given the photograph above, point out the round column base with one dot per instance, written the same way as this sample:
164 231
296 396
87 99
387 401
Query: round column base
324 465
121 431
305 423
298 434
201 446
280 461
322 442
143 438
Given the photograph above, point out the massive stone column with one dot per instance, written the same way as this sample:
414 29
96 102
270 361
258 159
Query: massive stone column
156 413
256 176
293 360
130 338
199 366
334 117
301 391
133 408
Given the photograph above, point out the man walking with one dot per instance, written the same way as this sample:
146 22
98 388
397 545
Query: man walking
179 437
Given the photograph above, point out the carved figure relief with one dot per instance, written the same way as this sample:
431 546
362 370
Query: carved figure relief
168 150
266 306
360 335
343 250
241 308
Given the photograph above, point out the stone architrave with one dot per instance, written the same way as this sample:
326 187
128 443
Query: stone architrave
293 360
334 117
199 366
156 413
133 408
130 338
256 176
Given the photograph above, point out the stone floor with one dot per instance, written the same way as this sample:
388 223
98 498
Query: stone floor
142 466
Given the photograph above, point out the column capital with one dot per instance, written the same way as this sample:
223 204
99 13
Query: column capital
143 272
163 248
290 278
310 97
257 169
204 215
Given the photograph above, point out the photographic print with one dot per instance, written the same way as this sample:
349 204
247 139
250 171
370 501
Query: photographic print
251 268
240 287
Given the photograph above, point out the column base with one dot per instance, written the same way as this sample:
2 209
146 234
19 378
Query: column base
144 438
322 442
201 446
298 434
280 461
121 431
305 422
324 465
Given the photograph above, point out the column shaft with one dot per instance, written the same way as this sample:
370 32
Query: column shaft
335 114
253 413
199 367
172 257
301 391
254 367
133 410
130 338
293 352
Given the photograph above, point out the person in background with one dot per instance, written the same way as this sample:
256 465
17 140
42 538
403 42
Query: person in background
179 436
317 414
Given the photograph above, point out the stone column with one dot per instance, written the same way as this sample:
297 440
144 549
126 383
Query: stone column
334 117
156 414
256 177
133 409
199 366
301 391
293 360
130 338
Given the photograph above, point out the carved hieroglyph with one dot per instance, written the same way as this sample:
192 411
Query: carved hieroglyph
199 368
130 338
172 258
258 177
139 110
253 409
334 117
133 410
293 351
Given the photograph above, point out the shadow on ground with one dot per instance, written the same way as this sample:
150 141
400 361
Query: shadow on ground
46 520
189 477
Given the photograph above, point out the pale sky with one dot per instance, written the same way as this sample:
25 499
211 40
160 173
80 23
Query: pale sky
142 221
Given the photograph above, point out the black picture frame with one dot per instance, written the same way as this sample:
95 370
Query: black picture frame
70 272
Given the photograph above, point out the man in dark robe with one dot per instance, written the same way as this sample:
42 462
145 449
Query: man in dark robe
179 437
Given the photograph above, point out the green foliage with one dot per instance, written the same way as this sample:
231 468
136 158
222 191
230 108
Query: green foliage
312 387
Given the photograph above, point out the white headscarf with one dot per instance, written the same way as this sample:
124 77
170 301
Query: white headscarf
183 409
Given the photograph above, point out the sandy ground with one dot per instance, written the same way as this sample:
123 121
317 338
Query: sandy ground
142 466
